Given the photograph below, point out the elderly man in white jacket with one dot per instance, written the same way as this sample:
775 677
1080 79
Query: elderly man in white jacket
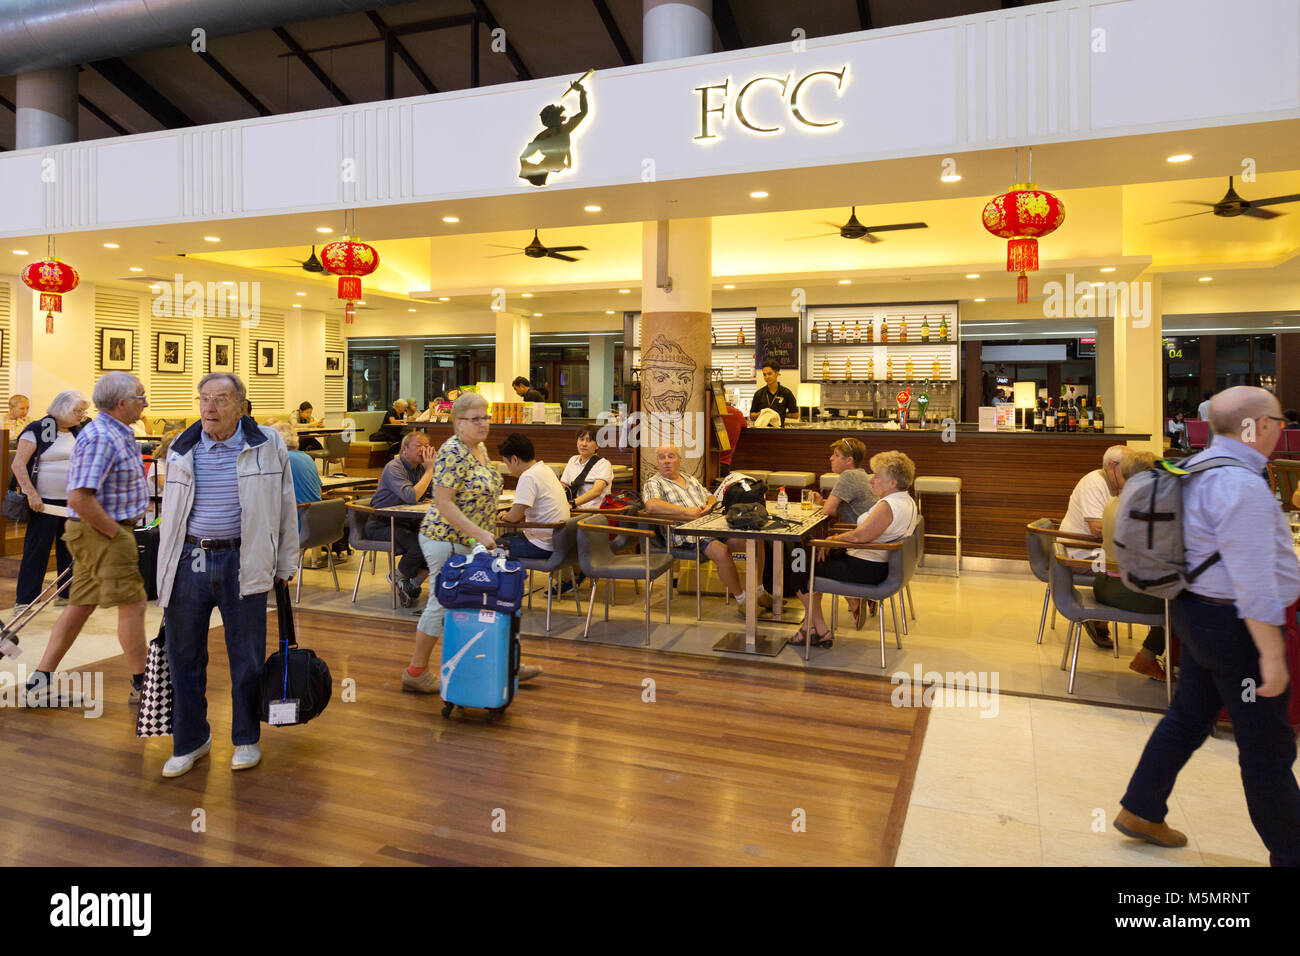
229 531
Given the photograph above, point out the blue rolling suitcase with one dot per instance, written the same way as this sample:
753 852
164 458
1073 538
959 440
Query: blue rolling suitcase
480 660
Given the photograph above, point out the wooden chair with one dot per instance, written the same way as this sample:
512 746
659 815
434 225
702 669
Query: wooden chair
1284 476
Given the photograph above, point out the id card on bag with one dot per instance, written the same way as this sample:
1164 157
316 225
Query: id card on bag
282 712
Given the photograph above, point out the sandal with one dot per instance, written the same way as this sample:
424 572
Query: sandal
860 615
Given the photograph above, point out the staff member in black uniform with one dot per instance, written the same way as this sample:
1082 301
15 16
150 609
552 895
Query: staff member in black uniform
773 395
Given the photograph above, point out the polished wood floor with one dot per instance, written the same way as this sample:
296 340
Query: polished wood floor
581 769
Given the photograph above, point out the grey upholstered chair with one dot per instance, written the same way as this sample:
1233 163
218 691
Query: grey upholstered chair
320 524
902 555
358 512
336 449
564 557
598 560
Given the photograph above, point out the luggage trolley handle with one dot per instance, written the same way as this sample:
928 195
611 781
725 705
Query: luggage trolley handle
9 631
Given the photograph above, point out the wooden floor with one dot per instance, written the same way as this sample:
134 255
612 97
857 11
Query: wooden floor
585 771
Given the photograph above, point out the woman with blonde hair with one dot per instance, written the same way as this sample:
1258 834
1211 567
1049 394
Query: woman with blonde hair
892 518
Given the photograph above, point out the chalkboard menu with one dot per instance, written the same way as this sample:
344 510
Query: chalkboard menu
777 342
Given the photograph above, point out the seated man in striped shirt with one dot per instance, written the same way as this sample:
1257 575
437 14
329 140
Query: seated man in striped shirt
670 494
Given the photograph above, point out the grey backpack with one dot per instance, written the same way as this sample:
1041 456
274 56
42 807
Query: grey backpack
1149 529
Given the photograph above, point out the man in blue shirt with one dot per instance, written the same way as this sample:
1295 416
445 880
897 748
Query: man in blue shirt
405 481
107 494
1230 625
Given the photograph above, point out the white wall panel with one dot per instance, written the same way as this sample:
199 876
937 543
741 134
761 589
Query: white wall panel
293 162
24 193
138 180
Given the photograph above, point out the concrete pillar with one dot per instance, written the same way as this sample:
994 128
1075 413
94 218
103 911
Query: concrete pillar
304 360
675 341
46 104
1105 365
600 377
672 29
1138 365
410 370
514 333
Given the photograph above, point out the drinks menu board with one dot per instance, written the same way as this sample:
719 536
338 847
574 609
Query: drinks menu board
777 342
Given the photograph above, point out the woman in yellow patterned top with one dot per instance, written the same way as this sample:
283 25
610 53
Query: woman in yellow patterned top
466 490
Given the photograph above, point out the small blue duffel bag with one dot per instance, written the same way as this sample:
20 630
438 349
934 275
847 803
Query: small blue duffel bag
482 579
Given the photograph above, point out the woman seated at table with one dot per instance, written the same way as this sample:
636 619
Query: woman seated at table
851 497
302 418
891 519
597 473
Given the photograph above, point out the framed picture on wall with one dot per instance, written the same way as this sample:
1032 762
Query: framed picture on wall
221 354
171 352
117 347
334 364
268 357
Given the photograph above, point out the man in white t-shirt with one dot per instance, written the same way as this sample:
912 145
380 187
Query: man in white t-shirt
1087 504
539 498
1203 409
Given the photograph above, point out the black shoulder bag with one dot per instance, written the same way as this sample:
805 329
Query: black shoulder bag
15 507
296 684
571 491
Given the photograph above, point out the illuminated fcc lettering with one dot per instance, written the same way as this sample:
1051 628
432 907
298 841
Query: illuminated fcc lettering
714 99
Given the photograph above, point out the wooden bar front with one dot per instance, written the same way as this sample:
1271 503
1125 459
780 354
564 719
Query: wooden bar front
554 444
1008 478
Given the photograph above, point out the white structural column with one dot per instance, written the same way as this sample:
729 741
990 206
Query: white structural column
1138 370
304 360
600 377
1105 365
410 370
676 28
514 333
46 103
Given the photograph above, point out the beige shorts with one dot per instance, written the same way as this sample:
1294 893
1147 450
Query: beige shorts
105 571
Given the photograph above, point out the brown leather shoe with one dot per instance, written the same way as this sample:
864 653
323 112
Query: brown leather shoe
1160 834
1147 668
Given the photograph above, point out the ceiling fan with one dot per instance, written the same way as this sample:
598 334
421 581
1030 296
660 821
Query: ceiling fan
1233 205
535 250
855 230
310 264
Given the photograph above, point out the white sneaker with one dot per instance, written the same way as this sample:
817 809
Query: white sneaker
528 672
247 756
179 766
18 609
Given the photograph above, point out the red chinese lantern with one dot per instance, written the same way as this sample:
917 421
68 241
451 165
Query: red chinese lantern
51 278
1021 216
349 260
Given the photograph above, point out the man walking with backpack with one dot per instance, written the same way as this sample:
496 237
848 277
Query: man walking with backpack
1242 577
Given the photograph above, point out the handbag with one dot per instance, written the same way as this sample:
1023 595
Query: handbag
15 507
482 580
571 490
747 516
295 682
155 716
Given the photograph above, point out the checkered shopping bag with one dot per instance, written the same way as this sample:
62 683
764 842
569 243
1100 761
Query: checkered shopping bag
155 717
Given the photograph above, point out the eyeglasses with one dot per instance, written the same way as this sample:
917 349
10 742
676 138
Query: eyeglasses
478 419
138 398
220 401
1275 418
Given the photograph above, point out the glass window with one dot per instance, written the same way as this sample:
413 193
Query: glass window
372 379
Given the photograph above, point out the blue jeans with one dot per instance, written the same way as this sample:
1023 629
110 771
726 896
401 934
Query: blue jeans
1218 655
187 619
517 546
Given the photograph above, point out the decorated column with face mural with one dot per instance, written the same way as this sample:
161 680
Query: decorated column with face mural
675 348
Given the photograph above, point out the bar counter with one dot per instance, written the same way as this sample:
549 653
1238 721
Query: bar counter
1007 478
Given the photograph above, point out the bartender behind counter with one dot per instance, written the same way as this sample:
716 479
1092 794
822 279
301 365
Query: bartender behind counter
773 395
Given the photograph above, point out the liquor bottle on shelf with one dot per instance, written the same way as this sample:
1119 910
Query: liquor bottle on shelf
812 334
844 333
936 371
848 370
943 327
740 336
1040 413
857 331
826 369
869 333
871 368
1049 423
1073 416
1085 416
884 330
714 334
1062 414
902 329
889 368
925 328
1098 416
910 371
735 366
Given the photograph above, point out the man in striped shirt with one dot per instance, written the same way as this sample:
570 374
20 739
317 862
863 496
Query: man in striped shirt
107 494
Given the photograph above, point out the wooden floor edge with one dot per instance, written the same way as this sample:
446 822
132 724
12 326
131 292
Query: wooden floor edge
903 792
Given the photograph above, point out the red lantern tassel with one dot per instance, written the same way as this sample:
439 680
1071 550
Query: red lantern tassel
1022 288
348 312
49 323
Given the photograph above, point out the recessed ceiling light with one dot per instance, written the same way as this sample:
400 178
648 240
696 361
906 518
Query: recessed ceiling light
20 252
361 301
846 282
324 229
1096 283
526 295
609 311
981 300
729 285
950 178
1205 279
300 293
155 288
297 305
134 269
972 275
758 194
451 218
1107 268
444 298
111 245
1179 158
410 310
205 239
624 291
227 282
537 315
592 208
